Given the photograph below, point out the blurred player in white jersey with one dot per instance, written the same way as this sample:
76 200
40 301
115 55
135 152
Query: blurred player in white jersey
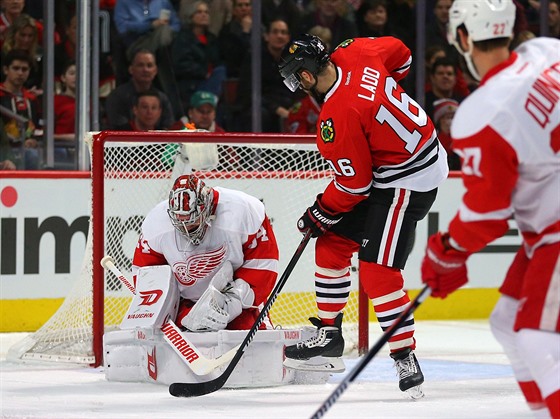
507 133
388 164
221 249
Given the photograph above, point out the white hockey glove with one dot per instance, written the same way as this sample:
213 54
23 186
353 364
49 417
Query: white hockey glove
235 297
223 301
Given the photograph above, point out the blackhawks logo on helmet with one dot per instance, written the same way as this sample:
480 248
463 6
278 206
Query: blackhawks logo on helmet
327 131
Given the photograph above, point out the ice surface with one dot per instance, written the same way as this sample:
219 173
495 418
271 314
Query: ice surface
467 376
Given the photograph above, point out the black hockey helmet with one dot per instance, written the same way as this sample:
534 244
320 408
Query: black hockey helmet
307 52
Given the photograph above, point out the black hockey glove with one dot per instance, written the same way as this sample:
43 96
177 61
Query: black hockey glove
318 219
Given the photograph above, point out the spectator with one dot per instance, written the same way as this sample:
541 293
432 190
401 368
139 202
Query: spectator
520 38
202 111
145 24
327 14
287 9
373 20
303 116
235 37
443 79
220 10
196 55
65 116
22 35
554 19
403 15
444 110
276 100
431 55
436 30
7 158
146 112
11 9
23 108
143 71
323 33
65 52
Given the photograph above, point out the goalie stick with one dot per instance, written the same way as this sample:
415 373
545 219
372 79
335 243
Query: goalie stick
200 389
188 353
351 376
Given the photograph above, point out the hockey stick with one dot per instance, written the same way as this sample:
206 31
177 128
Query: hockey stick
188 353
319 413
200 389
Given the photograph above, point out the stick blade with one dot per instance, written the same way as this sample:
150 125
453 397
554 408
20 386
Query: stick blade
196 389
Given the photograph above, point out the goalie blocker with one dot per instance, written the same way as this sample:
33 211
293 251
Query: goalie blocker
138 352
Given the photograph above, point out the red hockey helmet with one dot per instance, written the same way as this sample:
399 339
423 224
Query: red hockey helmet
191 204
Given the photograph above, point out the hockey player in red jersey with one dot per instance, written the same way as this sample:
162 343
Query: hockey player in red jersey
388 164
507 133
210 235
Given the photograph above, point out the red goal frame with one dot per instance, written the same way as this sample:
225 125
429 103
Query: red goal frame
98 246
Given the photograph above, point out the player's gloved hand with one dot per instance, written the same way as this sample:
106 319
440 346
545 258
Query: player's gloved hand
444 269
318 219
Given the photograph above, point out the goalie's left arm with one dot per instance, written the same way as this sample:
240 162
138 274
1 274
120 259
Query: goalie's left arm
260 264
229 293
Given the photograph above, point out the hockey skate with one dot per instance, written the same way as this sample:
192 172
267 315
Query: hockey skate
409 372
321 352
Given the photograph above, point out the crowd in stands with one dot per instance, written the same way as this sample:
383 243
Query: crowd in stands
178 63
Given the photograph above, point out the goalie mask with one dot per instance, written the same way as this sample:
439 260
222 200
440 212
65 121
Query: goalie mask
191 204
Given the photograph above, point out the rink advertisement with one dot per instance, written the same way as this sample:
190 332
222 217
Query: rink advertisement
44 221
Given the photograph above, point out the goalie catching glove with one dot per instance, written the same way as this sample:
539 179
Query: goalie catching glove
223 300
444 268
318 219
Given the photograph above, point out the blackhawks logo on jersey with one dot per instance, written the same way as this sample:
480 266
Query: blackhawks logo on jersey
344 44
327 131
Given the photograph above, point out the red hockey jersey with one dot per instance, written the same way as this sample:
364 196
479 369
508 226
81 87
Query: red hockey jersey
370 131
508 135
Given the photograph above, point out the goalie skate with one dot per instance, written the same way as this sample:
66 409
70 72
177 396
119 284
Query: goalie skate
409 372
321 352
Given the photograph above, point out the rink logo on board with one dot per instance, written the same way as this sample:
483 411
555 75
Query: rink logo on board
152 364
150 297
32 233
327 131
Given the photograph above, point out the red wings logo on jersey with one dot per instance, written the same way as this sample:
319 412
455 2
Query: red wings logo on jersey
199 266
327 131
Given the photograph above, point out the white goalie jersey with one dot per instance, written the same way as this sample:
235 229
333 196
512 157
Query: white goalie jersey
240 232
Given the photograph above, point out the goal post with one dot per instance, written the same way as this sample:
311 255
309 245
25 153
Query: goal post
132 171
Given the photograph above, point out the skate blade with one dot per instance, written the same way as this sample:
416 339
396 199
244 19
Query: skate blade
414 393
319 363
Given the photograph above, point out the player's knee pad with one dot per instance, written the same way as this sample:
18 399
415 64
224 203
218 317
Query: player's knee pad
502 320
541 352
379 280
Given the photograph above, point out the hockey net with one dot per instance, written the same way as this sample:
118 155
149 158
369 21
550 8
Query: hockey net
132 172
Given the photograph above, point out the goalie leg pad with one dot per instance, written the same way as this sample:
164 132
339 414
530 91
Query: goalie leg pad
129 358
